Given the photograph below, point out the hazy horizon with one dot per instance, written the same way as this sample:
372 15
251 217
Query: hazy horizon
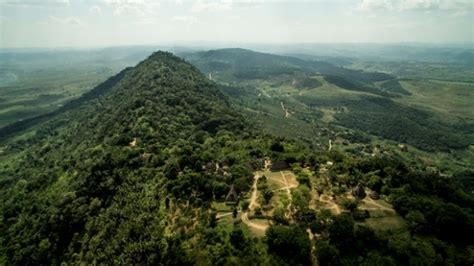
112 23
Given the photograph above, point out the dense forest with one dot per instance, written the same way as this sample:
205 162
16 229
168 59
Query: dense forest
127 175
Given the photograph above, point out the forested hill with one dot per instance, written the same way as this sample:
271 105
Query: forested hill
98 174
242 64
136 172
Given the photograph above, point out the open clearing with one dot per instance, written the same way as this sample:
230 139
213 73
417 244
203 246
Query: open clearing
393 223
281 182
448 98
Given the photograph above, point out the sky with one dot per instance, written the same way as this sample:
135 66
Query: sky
99 23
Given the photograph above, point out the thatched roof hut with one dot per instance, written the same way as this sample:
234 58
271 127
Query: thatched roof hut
232 197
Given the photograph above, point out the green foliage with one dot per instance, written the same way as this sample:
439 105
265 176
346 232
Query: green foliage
267 195
279 216
327 254
87 195
245 205
344 83
387 119
127 175
350 205
415 220
341 231
393 86
289 243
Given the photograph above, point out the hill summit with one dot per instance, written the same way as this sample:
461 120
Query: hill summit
137 171
99 172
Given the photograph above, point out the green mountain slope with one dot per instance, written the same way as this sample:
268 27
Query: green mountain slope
138 170
318 92
78 187
241 64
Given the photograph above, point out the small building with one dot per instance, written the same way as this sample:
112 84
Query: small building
232 197
279 165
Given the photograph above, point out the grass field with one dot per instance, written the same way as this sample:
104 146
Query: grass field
449 99
393 223
37 92
420 70
221 207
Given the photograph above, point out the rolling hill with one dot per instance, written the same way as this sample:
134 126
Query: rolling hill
372 102
138 171
108 154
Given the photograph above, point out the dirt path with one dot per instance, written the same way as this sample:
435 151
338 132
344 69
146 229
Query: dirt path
332 204
245 220
287 187
223 215
287 114
378 205
314 260
253 197
253 204
288 190
279 181
267 164
330 145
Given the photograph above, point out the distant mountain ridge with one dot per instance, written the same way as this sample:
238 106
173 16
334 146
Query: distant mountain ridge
247 64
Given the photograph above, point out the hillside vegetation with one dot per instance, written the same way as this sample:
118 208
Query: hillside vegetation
137 171
374 102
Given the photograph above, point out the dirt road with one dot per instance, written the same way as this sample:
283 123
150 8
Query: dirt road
287 114
332 204
252 205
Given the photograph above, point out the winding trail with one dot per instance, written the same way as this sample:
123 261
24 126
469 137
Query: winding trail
223 215
332 204
254 196
287 187
330 145
314 260
288 190
253 204
378 205
245 220
287 114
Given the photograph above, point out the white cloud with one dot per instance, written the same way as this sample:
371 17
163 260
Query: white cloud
142 8
234 17
95 9
73 21
146 21
185 19
414 5
211 6
30 3
4 20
